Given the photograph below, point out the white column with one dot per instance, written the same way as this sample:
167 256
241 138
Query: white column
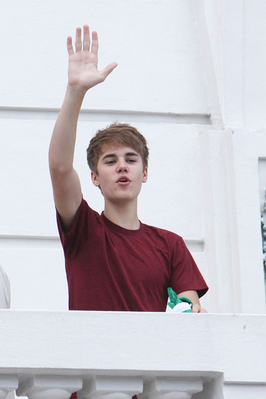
220 224
109 387
8 383
171 388
49 387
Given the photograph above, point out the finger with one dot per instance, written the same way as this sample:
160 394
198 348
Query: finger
108 69
78 43
196 308
69 45
95 43
86 38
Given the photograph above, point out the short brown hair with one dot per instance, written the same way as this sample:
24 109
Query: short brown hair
117 133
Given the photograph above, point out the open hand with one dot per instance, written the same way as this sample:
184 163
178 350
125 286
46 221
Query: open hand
83 63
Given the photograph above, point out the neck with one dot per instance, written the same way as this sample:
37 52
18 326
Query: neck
125 216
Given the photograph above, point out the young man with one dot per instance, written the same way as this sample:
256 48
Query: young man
113 261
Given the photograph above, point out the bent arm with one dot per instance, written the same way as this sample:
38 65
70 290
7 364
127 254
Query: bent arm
83 74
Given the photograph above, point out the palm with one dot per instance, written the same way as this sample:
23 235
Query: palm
83 70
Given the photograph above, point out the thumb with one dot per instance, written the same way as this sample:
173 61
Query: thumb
108 69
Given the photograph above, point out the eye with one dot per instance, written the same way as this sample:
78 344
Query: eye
131 160
111 162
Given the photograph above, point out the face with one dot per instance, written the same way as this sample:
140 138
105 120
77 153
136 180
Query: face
120 173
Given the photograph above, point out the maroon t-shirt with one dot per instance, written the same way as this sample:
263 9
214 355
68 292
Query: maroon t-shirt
112 268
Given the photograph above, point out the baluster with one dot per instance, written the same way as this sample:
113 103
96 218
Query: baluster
8 383
171 388
49 387
109 387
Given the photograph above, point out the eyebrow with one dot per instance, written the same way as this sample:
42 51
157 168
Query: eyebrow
128 154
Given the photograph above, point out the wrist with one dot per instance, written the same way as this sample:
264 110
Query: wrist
76 91
74 96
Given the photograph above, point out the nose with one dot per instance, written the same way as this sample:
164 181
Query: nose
122 165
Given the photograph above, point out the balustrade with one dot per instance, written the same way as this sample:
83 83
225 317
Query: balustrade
116 355
100 387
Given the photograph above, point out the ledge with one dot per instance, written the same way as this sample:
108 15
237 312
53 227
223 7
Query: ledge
129 343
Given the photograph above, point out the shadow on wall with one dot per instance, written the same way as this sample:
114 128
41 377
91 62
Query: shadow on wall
4 290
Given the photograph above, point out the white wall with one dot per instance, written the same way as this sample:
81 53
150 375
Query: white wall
186 79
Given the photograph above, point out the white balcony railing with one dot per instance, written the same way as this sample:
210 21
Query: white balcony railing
116 355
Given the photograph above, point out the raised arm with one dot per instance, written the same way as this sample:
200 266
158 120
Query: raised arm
83 74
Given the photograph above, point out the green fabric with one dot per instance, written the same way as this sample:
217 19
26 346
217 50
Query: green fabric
174 299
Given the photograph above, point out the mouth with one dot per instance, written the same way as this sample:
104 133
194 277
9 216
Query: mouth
123 180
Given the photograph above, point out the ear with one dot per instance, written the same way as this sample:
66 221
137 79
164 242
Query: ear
145 175
94 179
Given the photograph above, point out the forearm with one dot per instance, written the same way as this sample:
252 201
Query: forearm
62 146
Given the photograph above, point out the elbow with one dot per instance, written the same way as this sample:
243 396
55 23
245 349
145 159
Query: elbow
58 165
58 170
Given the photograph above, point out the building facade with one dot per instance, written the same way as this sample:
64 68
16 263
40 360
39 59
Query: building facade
191 78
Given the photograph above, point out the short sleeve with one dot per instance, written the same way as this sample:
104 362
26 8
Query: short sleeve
185 275
84 223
